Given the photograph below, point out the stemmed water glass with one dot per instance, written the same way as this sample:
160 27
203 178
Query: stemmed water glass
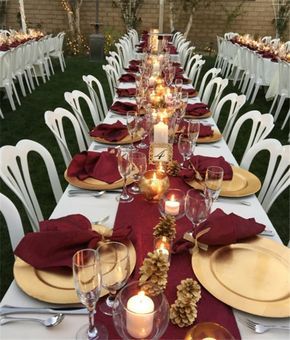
178 85
124 166
185 146
193 132
213 182
139 166
144 125
88 284
169 74
131 122
197 207
115 268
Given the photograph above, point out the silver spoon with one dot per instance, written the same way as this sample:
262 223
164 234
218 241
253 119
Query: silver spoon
74 193
209 145
49 322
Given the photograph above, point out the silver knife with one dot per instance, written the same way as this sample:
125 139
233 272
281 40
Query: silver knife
91 192
5 310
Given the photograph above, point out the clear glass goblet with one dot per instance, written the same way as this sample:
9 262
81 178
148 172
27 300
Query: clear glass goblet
124 166
115 267
197 207
88 283
213 182
131 122
144 125
185 146
139 166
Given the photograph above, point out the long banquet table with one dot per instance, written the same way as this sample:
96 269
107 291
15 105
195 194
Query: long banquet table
95 209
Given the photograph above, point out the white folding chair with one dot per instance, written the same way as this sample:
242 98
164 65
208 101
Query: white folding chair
277 177
15 173
55 120
74 99
209 75
194 73
266 39
212 99
28 64
113 79
185 57
57 52
262 125
114 63
97 95
12 219
236 102
220 58
191 63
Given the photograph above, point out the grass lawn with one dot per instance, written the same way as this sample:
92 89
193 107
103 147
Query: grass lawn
27 122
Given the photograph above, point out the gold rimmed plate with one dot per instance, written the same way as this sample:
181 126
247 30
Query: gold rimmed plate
243 183
216 136
125 140
54 286
252 276
206 115
94 184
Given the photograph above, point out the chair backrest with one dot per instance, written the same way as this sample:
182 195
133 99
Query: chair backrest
54 120
209 75
114 63
220 84
277 177
14 171
236 102
74 99
113 79
5 68
266 39
275 42
12 219
284 78
194 73
175 37
183 48
191 63
262 125
185 57
97 95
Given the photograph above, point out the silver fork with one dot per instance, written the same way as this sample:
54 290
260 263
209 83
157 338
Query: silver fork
259 328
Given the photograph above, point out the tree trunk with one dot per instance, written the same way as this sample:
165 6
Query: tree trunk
189 23
171 15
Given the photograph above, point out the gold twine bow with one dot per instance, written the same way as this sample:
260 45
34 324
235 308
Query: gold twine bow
197 245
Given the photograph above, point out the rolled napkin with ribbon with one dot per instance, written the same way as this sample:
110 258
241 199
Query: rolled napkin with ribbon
197 109
221 229
110 132
58 239
127 78
131 92
201 163
102 166
123 107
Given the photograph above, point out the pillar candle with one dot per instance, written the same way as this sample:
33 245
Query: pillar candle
160 133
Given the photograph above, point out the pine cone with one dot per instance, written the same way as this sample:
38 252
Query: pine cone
173 168
188 290
154 270
183 315
166 227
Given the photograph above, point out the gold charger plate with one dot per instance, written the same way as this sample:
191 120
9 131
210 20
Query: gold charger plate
125 140
55 286
206 115
94 184
210 139
243 183
252 276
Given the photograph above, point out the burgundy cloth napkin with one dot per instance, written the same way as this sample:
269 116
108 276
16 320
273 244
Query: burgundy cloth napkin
201 163
204 130
176 63
224 229
197 109
99 165
4 47
58 239
135 62
131 92
132 68
111 132
191 92
127 78
172 49
180 76
123 107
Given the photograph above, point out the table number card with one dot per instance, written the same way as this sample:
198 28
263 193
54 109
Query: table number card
160 152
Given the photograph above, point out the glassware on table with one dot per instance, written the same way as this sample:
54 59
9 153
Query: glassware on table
169 74
139 168
144 125
138 315
178 85
185 146
197 207
193 132
88 283
172 203
213 182
131 122
115 268
124 166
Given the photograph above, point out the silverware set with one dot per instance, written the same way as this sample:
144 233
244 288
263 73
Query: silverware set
94 193
261 328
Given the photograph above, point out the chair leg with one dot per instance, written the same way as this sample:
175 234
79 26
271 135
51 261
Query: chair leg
10 97
279 107
27 82
16 94
61 63
285 121
273 104
20 81
250 88
257 86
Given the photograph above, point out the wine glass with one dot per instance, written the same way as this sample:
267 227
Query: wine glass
193 132
197 207
178 85
169 74
140 166
124 166
115 268
144 125
184 147
88 283
213 182
131 119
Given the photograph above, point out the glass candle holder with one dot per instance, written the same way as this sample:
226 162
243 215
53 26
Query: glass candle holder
209 331
172 203
138 315
163 245
153 184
